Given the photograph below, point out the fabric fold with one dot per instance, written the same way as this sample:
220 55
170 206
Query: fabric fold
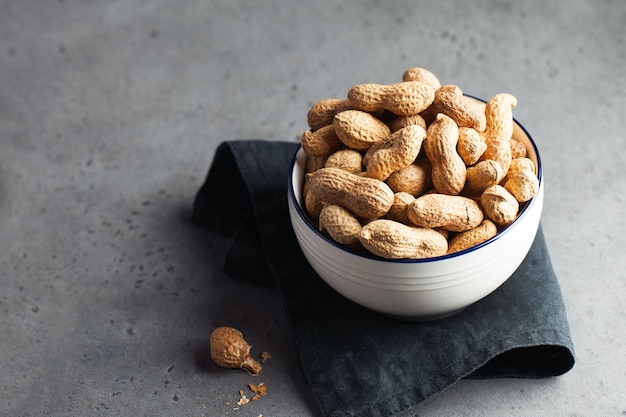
358 362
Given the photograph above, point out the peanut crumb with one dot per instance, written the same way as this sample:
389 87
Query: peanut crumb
259 389
243 400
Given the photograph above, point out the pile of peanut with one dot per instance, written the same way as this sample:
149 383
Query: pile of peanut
414 169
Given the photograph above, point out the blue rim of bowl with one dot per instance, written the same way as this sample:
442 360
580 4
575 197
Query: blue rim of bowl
522 213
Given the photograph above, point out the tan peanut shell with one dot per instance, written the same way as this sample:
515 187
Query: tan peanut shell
499 129
348 159
499 205
499 116
359 130
340 224
392 240
364 167
470 146
415 179
450 212
321 142
312 204
423 75
314 162
367 198
398 210
520 164
404 121
449 172
480 176
499 150
230 350
479 234
394 153
403 99
518 149
322 113
523 184
465 111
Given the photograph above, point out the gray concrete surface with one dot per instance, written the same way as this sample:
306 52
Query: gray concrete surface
110 112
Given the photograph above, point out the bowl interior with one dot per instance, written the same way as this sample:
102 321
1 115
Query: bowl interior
296 181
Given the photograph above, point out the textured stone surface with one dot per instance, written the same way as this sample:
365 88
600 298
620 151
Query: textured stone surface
109 116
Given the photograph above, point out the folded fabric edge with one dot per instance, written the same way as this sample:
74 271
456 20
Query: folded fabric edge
225 220
401 405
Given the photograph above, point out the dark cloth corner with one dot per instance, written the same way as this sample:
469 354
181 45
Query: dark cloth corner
358 362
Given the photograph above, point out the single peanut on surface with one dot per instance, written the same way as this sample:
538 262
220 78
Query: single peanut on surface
454 213
367 198
404 99
392 240
449 170
230 350
479 234
322 113
499 205
359 130
340 224
394 153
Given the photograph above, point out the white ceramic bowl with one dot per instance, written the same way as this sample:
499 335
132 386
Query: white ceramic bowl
420 289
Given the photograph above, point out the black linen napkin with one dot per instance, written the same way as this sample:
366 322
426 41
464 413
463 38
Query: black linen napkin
358 362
